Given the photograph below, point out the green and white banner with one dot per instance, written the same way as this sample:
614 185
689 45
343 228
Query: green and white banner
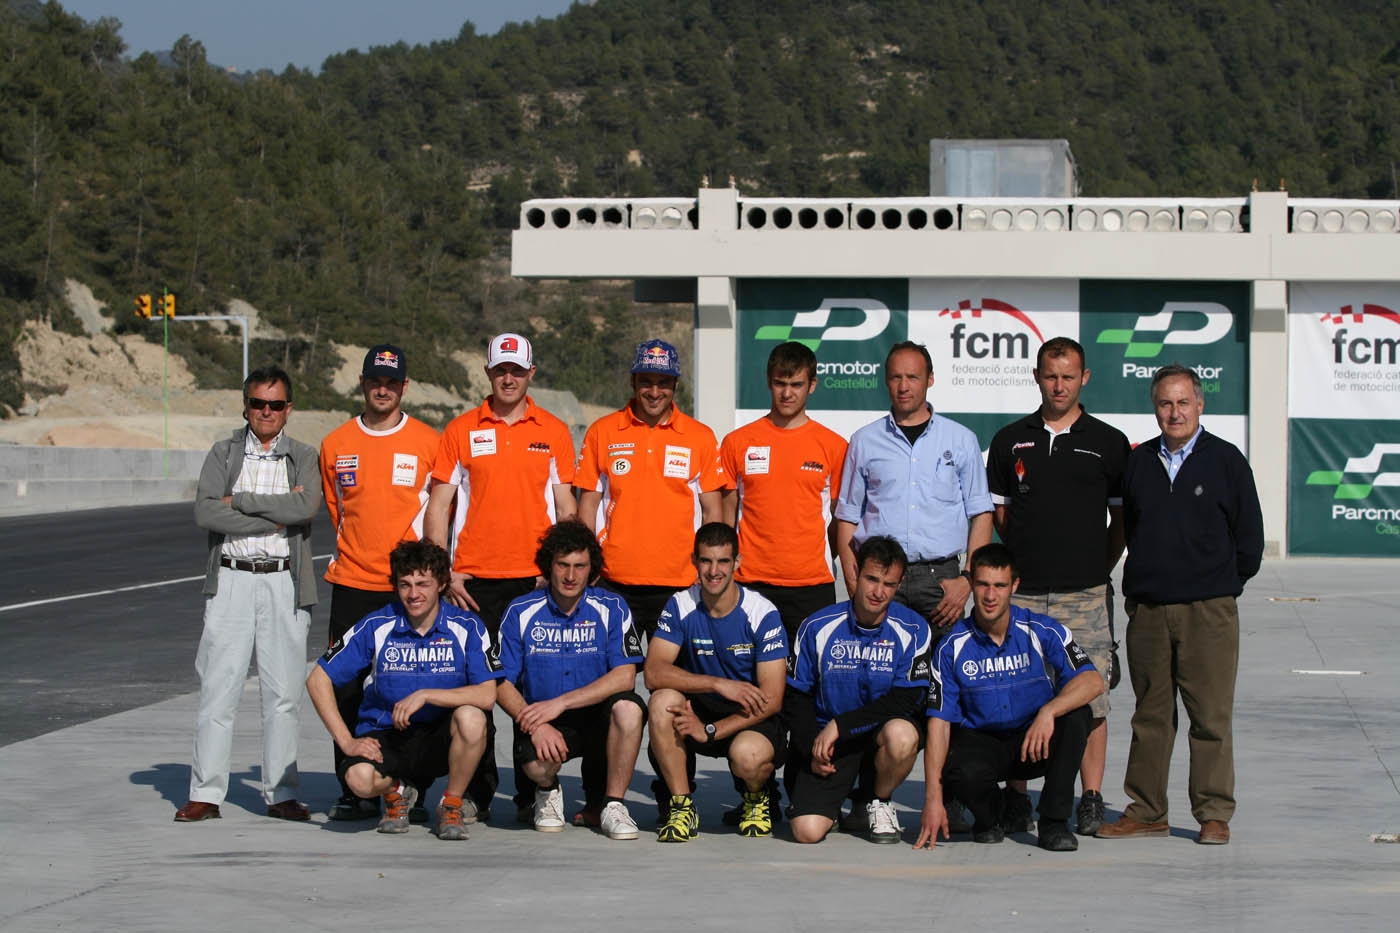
1344 420
850 324
983 335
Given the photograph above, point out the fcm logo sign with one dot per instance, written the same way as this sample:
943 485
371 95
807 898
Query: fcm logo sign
849 324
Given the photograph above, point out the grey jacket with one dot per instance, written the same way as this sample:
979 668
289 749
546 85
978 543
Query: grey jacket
260 513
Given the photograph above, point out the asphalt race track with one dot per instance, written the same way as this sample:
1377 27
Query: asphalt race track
72 649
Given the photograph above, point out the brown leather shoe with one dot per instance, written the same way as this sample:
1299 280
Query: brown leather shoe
289 810
196 810
1125 828
1214 833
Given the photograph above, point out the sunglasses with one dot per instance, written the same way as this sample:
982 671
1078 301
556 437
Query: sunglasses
258 404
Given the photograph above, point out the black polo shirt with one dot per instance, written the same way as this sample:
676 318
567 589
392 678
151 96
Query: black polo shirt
1056 492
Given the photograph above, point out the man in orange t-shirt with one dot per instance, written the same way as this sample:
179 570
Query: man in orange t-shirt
787 468
507 464
375 473
648 476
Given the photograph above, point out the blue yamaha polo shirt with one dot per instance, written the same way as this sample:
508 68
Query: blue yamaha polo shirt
455 652
844 666
546 652
999 688
731 647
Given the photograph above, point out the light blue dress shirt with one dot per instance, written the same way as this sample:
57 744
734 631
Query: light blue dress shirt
922 495
1173 461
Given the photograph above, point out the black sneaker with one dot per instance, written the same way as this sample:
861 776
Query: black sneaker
989 836
957 817
418 815
1016 812
350 808
1056 837
857 822
1089 815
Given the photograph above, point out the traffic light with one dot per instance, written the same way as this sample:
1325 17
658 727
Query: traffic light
143 306
168 305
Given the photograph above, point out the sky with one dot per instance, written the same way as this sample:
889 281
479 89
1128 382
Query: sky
251 34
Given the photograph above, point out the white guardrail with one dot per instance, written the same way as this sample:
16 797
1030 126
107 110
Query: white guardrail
962 215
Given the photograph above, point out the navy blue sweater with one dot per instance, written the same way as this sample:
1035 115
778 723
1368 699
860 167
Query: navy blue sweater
1198 538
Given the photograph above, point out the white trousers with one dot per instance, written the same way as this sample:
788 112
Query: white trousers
251 611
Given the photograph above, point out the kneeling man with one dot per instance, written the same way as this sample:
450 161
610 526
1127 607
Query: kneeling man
570 656
856 687
1008 701
430 685
715 672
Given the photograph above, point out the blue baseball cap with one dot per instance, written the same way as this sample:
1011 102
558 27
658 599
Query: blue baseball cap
657 356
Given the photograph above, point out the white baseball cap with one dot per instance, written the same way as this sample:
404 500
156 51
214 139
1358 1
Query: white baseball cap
510 348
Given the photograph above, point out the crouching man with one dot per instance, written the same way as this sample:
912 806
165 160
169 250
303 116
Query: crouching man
570 657
856 686
430 685
1007 701
715 671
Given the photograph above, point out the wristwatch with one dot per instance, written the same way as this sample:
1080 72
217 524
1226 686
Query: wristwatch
709 732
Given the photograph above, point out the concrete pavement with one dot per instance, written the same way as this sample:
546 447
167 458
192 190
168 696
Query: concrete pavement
87 841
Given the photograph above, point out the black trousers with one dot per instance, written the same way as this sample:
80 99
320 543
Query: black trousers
493 595
978 761
348 606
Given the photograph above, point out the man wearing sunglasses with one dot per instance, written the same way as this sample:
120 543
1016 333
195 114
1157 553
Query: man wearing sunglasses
256 497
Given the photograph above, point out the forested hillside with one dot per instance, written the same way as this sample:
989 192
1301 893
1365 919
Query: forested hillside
374 197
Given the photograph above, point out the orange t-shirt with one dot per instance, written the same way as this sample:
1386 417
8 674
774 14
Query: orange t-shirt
505 474
651 480
787 481
376 488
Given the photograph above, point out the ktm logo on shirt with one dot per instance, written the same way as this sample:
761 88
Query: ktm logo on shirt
812 466
539 447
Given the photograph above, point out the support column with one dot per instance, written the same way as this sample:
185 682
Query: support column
1268 408
716 344
716 348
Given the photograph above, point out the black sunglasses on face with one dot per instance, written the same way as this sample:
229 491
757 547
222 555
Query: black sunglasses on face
258 404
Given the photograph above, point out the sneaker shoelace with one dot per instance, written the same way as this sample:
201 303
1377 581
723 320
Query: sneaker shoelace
883 819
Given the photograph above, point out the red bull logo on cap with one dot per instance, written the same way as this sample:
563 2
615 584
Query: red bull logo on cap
387 358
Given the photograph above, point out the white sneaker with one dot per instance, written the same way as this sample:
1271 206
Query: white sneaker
549 810
617 822
884 823
469 812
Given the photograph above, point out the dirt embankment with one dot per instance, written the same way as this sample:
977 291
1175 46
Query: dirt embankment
101 390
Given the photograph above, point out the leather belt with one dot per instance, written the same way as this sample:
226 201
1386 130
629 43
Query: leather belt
255 566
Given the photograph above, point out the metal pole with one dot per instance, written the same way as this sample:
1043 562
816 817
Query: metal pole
165 392
243 322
